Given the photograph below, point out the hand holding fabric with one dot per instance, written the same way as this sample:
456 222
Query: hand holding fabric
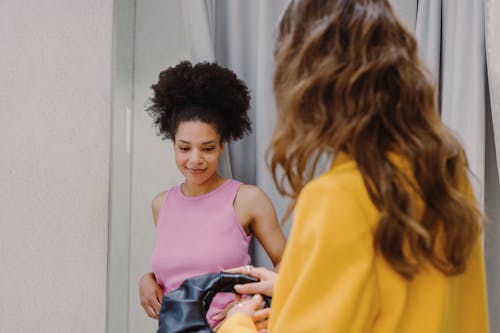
253 307
265 286
150 295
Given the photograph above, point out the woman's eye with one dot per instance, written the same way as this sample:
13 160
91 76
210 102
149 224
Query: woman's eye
209 149
184 148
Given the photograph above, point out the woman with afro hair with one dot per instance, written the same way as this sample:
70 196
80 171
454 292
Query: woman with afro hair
204 225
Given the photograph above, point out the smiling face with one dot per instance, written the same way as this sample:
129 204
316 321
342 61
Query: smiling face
197 148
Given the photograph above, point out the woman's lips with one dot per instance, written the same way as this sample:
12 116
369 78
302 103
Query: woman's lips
195 171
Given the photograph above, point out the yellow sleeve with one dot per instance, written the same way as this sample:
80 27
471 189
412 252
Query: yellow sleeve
238 323
327 280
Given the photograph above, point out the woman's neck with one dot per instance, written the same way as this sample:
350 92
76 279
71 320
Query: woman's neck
191 190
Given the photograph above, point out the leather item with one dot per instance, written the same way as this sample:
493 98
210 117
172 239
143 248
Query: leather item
184 309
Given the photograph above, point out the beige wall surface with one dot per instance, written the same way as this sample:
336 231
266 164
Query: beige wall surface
55 95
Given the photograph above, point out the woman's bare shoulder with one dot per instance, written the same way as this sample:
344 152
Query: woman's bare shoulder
251 192
252 198
156 204
158 199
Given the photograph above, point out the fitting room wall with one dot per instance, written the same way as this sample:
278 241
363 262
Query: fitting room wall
55 95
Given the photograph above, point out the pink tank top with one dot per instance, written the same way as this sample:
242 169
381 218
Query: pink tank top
199 235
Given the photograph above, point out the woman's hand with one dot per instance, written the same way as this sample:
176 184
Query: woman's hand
253 307
150 295
261 318
265 286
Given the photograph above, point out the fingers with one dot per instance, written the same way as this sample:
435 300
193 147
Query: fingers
250 288
158 300
248 270
248 306
262 326
159 294
260 319
254 303
152 313
219 316
265 285
260 273
152 309
157 307
262 314
222 314
150 295
152 303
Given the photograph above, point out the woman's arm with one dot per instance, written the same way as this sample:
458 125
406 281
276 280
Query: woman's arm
150 292
255 205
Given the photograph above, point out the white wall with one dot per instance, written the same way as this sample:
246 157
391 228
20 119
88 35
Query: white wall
55 95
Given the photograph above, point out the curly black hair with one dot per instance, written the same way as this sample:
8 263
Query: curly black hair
206 92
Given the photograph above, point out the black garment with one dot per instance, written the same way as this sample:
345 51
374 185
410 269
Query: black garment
184 309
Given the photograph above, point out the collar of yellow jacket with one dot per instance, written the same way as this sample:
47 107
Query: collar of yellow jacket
342 158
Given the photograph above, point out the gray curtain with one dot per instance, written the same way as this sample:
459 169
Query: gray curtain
455 41
463 81
451 41
428 32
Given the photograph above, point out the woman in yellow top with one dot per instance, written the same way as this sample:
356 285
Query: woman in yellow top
389 239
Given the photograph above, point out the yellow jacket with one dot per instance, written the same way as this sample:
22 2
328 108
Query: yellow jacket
332 280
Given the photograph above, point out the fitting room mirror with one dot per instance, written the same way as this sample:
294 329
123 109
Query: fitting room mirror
150 36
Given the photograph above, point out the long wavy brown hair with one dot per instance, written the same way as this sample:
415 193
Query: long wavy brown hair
348 79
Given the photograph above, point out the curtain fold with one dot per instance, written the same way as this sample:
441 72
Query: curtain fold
235 40
463 82
428 33
454 39
265 115
451 45
200 36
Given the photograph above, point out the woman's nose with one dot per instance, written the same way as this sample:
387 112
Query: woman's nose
195 156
